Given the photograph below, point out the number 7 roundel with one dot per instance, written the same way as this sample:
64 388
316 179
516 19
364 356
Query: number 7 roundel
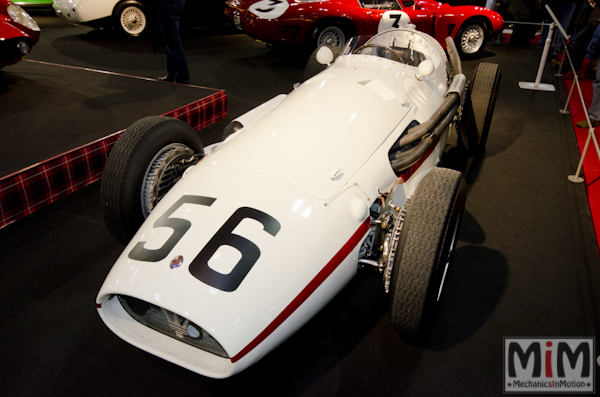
392 19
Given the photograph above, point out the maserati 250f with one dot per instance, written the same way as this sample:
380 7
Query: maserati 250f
233 247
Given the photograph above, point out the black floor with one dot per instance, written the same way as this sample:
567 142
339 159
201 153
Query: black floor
527 262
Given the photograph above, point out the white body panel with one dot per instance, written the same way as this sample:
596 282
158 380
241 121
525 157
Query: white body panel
314 161
235 318
82 11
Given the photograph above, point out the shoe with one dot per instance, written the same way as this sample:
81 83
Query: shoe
165 78
584 123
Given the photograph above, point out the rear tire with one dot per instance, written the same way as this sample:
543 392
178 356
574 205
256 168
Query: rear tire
145 156
425 250
331 34
478 109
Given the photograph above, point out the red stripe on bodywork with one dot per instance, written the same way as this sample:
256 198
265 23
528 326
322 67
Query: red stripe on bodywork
308 290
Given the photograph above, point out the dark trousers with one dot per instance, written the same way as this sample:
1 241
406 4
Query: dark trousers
168 13
579 49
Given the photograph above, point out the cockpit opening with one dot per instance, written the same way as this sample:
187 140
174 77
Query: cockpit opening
404 45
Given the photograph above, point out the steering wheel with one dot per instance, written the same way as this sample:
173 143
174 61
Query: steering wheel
388 49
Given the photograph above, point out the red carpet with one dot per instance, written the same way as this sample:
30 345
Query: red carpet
591 164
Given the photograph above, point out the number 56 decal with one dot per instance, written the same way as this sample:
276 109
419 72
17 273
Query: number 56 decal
224 236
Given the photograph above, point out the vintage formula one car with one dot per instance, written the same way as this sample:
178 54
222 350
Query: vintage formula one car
18 33
313 23
243 241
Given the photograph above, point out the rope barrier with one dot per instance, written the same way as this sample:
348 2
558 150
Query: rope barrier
576 178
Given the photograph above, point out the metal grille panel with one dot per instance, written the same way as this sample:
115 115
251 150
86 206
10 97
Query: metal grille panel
171 324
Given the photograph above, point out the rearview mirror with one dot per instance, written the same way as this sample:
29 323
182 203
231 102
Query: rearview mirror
425 69
324 55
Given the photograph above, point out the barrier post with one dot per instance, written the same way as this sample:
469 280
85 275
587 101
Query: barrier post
591 136
537 85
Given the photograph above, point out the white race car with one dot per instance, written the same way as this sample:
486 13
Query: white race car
242 242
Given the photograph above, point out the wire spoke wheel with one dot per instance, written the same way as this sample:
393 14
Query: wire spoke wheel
147 160
331 36
133 20
472 39
165 169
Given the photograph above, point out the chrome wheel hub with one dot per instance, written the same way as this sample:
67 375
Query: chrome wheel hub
165 169
133 20
472 39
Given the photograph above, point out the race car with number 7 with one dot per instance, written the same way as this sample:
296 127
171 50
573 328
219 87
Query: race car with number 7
233 247
312 23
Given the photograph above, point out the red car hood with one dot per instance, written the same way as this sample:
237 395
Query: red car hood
422 3
429 4
10 29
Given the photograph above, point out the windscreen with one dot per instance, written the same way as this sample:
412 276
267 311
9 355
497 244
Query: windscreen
386 45
381 4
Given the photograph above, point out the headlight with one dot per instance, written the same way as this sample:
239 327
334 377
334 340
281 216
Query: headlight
19 16
23 47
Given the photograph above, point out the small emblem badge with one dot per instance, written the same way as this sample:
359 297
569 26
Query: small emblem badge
176 262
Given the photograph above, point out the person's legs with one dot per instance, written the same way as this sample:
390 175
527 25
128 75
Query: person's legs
594 110
168 14
577 53
565 15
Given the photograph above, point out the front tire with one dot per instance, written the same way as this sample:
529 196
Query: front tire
425 250
471 39
131 19
144 164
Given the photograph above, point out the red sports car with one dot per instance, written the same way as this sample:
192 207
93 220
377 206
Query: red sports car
313 23
18 33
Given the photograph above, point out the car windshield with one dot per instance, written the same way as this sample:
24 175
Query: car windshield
388 45
381 4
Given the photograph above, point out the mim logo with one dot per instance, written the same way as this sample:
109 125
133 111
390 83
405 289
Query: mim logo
549 365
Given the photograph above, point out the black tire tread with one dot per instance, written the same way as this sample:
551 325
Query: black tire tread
120 172
420 247
479 108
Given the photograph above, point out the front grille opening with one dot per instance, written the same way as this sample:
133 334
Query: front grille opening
171 324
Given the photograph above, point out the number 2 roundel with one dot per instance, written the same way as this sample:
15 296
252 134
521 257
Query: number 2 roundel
392 20
269 9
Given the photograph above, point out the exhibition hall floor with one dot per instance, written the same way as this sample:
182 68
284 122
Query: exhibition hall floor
526 263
